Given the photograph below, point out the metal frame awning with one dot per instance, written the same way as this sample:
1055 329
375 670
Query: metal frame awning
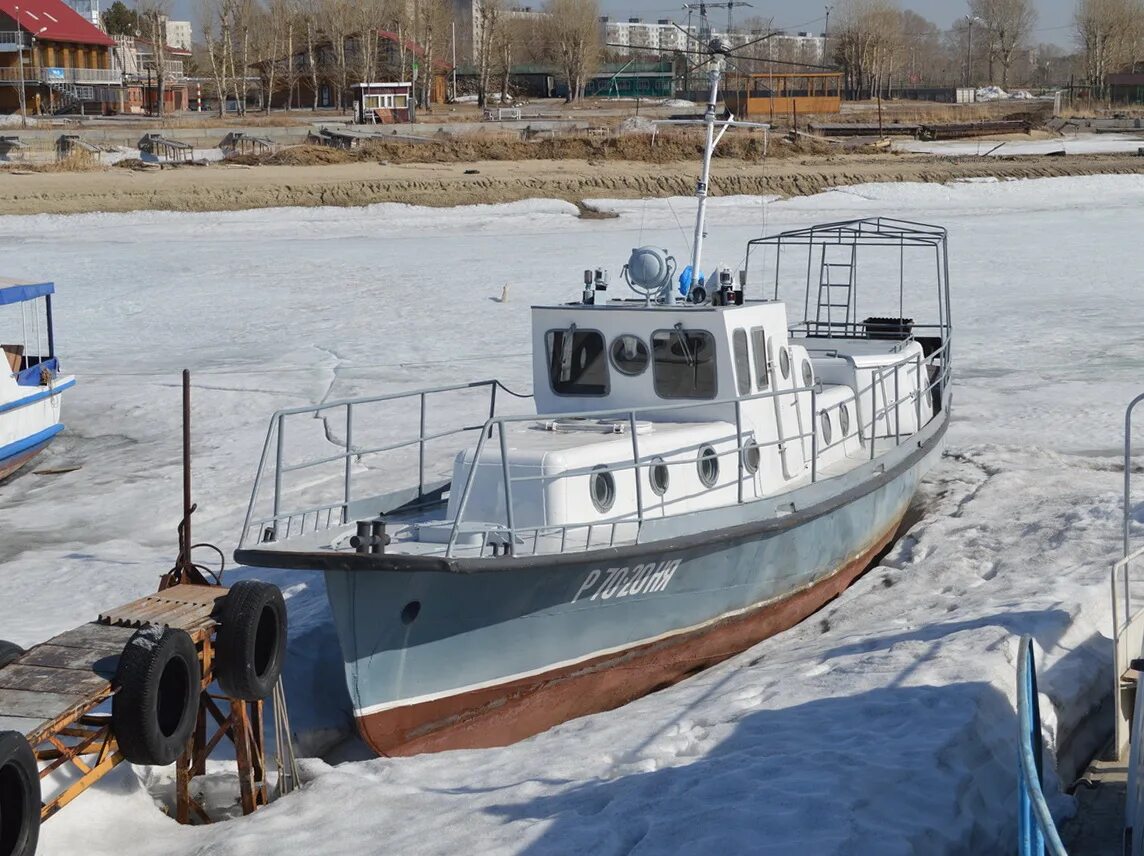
24 292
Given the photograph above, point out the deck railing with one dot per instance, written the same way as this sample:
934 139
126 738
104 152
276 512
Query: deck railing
53 75
1127 617
1036 831
878 416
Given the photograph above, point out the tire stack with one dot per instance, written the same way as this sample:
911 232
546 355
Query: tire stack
19 783
154 710
156 704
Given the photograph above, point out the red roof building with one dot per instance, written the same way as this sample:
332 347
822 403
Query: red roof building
52 59
53 21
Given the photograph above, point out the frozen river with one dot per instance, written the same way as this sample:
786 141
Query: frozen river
882 725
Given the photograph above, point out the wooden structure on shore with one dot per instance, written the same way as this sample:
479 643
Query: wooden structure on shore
772 95
52 694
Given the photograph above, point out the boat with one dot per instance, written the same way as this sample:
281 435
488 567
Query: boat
693 472
31 384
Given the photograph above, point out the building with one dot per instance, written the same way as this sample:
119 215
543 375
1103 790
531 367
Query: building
636 35
135 60
383 103
630 80
56 59
87 9
469 22
179 34
664 36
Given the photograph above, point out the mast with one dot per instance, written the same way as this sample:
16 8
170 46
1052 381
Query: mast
705 175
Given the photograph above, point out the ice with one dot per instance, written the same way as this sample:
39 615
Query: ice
884 724
1072 144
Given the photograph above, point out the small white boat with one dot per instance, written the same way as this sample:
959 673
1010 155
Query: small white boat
31 385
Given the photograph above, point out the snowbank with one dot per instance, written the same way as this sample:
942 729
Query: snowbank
884 724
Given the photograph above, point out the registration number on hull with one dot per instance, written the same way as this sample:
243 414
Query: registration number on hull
605 584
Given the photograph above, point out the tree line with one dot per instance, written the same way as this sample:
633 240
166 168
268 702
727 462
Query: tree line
882 48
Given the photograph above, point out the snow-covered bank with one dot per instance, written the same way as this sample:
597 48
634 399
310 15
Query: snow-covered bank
1079 144
882 725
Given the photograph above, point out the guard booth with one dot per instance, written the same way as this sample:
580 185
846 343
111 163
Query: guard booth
383 103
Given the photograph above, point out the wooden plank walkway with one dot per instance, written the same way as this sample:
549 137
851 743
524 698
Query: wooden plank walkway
55 683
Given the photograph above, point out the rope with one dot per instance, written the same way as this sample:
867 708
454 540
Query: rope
682 231
284 759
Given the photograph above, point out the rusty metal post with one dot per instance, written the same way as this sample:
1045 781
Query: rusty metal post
240 735
185 558
183 782
258 740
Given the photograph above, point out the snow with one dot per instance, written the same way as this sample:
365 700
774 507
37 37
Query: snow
1079 144
883 725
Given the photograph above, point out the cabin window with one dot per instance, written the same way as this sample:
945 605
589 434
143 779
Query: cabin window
807 373
708 465
827 431
683 363
602 486
784 363
759 346
751 457
630 355
844 419
577 364
742 362
659 476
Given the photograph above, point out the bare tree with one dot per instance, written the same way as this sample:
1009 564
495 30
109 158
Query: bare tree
1007 25
868 45
216 40
433 24
268 43
573 32
487 21
1109 33
153 16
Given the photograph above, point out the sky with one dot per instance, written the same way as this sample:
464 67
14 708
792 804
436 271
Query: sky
1054 22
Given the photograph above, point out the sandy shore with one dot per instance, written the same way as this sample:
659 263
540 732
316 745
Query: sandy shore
228 188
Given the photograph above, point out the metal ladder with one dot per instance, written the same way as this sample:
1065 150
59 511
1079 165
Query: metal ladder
835 288
69 94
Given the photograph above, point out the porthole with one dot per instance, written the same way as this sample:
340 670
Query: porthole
827 430
659 476
602 487
784 363
807 374
751 456
844 420
708 466
630 355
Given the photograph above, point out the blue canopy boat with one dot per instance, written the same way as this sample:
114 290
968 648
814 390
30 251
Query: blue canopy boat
31 385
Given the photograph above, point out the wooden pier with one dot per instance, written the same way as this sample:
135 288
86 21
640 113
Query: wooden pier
58 694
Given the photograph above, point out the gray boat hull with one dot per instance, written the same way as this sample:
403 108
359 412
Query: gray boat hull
490 651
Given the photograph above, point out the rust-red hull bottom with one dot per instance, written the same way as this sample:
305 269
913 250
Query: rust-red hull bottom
505 713
9 466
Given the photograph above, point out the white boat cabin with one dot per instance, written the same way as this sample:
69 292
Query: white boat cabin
726 407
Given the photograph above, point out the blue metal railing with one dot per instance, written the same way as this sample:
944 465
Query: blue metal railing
1036 832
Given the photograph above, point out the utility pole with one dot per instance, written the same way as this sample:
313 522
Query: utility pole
969 20
23 103
826 37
